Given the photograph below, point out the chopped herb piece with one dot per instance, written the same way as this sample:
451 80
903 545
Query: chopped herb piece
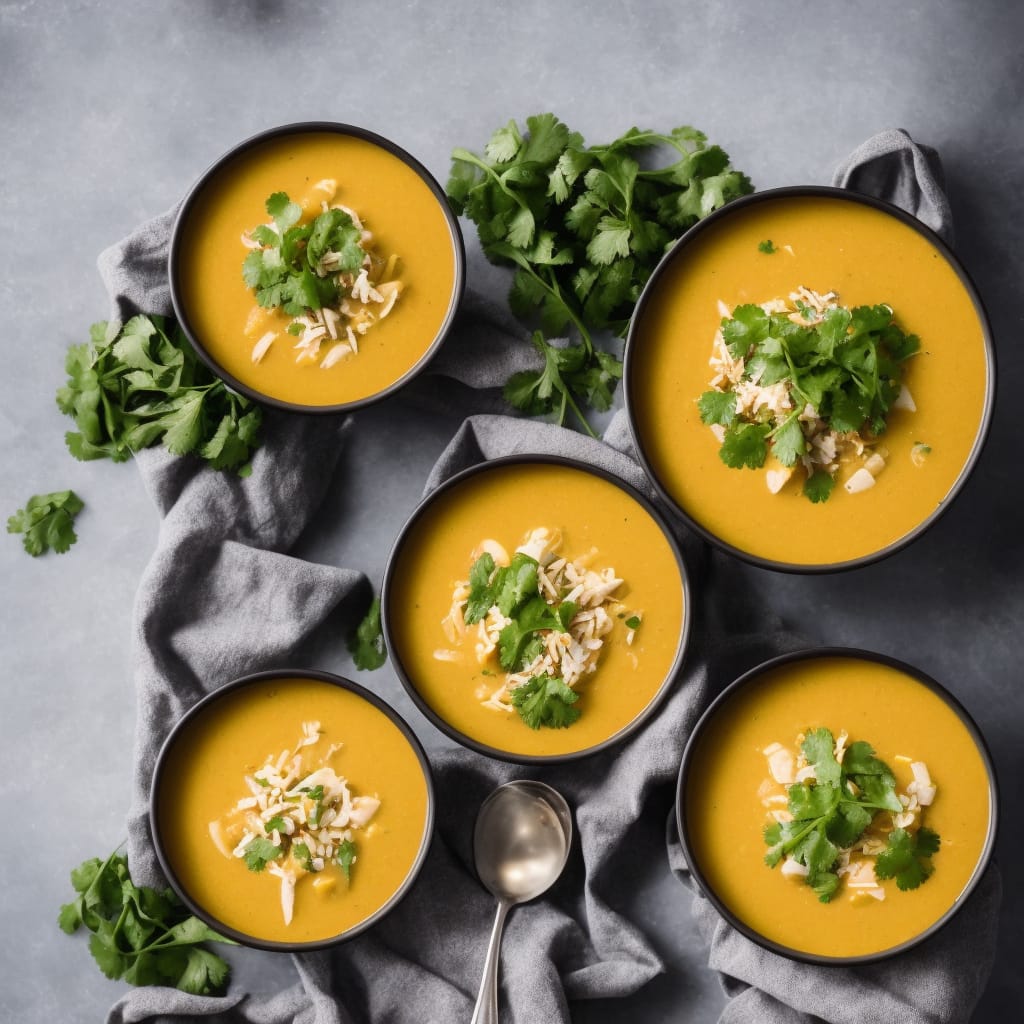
276 823
47 521
717 407
142 935
633 622
366 645
908 857
300 851
545 700
346 856
818 486
259 852
767 246
745 445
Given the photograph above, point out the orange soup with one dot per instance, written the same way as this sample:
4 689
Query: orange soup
602 563
403 221
866 257
733 793
229 782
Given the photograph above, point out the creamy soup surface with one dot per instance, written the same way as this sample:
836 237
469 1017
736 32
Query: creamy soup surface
203 780
593 516
902 719
391 200
868 257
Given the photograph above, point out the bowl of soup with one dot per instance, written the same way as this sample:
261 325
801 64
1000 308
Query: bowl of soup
316 267
809 378
536 609
836 806
291 809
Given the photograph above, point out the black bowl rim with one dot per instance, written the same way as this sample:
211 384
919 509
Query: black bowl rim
824 653
829 192
670 676
284 675
302 128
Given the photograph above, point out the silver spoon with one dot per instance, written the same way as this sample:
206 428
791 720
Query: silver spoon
520 845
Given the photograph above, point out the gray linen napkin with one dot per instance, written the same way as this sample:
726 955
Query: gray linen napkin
222 564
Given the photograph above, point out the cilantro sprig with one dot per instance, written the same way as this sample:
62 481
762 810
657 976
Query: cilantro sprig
47 521
847 366
142 935
514 590
908 857
346 857
833 812
583 227
286 270
135 386
260 852
545 700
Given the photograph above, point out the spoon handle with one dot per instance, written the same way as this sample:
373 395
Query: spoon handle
486 1009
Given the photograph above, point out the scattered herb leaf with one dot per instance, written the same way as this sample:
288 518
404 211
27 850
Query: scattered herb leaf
47 521
767 246
633 622
545 700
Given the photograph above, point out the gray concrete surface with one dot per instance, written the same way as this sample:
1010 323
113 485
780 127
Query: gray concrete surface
108 111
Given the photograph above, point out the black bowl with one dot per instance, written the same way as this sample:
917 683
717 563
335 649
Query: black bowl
684 825
306 127
410 685
632 400
165 862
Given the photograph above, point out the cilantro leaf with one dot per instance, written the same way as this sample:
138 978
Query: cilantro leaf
134 386
717 407
745 445
276 823
481 593
818 486
259 852
514 641
766 246
907 857
518 582
545 701
788 442
346 856
746 328
301 852
47 521
633 622
818 748
366 645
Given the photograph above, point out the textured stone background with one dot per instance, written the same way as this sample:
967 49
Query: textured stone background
110 110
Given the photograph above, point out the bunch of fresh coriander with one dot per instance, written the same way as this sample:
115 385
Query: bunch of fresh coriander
584 227
139 934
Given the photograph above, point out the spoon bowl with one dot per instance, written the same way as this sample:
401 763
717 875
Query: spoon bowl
520 845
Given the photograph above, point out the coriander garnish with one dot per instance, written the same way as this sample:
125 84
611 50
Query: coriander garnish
544 618
140 934
835 812
807 381
767 247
